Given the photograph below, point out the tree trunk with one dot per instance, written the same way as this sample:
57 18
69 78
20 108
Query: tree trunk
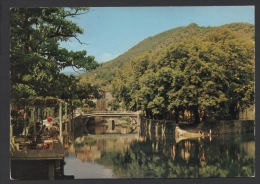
148 113
204 117
196 115
233 111
176 115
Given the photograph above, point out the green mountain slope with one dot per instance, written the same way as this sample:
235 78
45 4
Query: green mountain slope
103 75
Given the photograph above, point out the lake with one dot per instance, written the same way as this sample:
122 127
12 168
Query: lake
155 153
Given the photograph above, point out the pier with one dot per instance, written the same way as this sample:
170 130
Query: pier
39 144
44 162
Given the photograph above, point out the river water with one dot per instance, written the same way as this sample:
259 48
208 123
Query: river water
155 153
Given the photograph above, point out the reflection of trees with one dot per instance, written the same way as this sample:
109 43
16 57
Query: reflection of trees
144 160
187 159
151 156
225 158
243 167
88 153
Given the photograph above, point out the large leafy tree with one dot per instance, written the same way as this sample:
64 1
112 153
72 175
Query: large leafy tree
235 56
210 75
213 74
36 57
198 78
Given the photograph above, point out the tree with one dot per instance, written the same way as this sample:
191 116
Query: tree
36 57
195 87
125 84
237 60
211 75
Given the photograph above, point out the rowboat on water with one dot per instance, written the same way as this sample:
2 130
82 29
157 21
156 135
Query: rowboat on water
183 134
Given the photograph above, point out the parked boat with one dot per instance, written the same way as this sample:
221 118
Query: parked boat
183 134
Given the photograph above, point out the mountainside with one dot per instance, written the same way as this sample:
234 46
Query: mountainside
103 75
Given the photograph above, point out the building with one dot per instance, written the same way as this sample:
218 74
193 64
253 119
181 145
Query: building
248 113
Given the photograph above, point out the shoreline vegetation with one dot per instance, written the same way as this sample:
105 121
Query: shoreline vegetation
206 73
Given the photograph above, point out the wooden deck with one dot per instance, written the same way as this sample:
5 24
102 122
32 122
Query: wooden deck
44 149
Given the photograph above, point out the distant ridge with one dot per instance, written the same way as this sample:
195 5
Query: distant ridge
103 75
73 73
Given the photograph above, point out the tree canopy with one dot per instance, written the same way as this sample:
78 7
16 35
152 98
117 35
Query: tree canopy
210 76
36 56
103 76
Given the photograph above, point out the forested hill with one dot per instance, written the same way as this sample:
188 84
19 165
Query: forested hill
105 74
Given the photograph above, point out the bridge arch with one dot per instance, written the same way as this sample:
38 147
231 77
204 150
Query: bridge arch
114 118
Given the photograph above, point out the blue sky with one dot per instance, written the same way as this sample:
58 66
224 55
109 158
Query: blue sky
111 31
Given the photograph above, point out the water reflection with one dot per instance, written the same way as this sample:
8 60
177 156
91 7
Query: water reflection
83 170
153 152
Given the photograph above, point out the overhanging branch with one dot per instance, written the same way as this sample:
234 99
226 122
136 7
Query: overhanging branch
80 41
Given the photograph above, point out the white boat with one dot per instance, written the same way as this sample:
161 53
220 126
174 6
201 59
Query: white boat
183 134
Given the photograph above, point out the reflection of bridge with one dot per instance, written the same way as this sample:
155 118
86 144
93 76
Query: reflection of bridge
111 114
113 117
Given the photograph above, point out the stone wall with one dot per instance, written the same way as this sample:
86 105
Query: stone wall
247 114
235 126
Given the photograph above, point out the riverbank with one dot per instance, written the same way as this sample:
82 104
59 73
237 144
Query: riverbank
221 127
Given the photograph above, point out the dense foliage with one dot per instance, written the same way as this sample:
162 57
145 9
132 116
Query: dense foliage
210 76
103 76
36 57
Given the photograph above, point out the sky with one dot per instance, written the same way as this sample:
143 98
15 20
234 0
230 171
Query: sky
111 31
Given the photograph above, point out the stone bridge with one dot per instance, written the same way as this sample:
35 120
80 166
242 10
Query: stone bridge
114 117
